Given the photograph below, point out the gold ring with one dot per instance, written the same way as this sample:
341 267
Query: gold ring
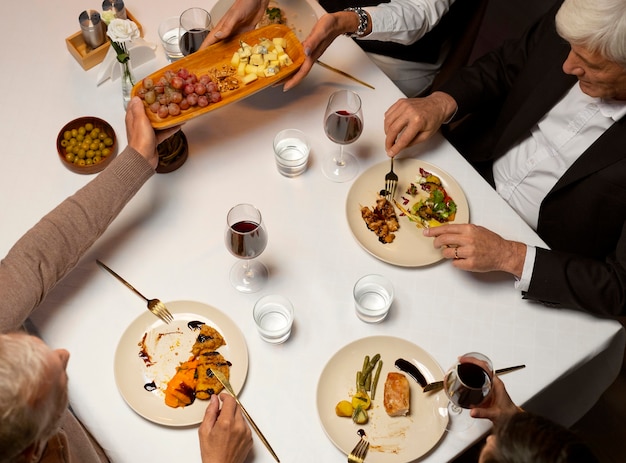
456 253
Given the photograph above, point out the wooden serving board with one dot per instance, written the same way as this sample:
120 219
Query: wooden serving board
219 54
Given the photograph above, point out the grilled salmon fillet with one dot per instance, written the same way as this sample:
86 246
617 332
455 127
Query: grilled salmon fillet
397 396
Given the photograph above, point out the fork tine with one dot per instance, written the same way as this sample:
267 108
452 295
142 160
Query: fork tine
359 452
363 450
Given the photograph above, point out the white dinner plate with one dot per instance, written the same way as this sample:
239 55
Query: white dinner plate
399 439
167 346
299 14
410 248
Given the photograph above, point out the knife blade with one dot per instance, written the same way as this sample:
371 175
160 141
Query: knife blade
222 379
439 384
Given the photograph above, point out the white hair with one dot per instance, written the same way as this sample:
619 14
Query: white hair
597 25
26 416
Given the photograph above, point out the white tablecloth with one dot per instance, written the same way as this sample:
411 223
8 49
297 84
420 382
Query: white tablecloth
170 240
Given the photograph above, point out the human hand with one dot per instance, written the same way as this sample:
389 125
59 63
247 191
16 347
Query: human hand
499 406
476 249
140 134
242 16
327 28
413 120
225 436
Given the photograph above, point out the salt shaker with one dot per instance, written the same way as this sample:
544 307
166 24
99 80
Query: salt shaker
92 27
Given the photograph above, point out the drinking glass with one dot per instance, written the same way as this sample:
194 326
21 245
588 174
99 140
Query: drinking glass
195 25
467 383
343 124
246 239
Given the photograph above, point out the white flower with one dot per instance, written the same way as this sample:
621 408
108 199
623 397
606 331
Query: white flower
122 30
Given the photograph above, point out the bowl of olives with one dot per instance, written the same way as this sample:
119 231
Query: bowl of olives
86 145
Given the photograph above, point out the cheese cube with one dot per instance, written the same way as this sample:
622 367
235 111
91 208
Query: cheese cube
241 69
234 61
285 60
280 42
249 78
256 59
251 69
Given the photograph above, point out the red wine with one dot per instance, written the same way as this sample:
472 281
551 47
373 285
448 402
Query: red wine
343 127
475 387
190 41
246 239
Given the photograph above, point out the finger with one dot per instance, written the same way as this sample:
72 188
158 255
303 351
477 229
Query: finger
210 415
298 76
229 404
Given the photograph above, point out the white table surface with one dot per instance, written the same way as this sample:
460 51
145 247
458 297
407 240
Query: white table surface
170 240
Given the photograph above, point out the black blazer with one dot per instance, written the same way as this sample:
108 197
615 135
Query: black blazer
582 219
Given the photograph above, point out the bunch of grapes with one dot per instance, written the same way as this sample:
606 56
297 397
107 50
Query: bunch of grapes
176 91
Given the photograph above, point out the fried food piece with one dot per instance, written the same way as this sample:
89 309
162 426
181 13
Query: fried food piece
397 397
180 390
207 383
381 220
209 339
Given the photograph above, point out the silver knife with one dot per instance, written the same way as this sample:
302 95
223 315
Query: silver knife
222 379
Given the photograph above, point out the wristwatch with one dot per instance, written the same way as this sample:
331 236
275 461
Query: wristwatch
363 21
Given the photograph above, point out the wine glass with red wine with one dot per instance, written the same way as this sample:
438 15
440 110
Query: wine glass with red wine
343 124
467 384
246 239
195 25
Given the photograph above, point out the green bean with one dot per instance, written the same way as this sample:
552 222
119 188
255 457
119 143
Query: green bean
375 380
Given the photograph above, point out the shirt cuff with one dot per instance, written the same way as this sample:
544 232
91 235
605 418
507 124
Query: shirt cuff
523 283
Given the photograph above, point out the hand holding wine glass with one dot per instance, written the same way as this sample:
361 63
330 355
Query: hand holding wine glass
343 124
467 384
246 239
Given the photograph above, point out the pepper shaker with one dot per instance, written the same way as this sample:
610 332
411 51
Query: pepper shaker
117 6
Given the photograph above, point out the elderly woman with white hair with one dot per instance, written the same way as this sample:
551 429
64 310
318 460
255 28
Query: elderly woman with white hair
542 119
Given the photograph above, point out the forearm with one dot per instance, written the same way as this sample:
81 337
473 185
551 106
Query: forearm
52 247
405 21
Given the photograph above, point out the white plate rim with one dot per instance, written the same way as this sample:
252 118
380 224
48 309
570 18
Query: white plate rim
128 367
336 382
410 248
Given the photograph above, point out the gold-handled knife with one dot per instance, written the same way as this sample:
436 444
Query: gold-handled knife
439 384
345 74
222 379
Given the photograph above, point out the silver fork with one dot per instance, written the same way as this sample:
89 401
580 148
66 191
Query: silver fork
359 451
154 305
391 183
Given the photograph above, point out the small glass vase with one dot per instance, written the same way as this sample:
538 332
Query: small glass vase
128 81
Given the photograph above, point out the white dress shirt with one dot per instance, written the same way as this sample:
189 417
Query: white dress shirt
405 22
527 173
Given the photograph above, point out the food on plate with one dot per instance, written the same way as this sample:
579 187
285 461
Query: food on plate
180 390
208 339
361 400
273 15
264 59
397 395
434 210
194 378
207 383
381 219
344 408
